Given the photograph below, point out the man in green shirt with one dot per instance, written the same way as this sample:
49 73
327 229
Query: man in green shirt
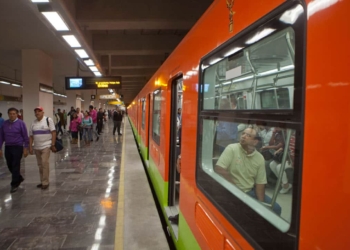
243 166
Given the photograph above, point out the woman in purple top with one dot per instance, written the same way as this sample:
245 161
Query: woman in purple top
14 134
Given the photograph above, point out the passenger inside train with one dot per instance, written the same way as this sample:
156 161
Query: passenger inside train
244 167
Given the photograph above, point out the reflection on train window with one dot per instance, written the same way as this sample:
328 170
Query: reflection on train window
143 113
255 164
257 77
157 97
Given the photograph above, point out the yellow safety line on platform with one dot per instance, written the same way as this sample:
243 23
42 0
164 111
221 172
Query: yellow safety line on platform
119 232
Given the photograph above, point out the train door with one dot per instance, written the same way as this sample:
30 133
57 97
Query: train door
175 151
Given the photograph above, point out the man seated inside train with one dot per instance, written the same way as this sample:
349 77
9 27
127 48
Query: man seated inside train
242 165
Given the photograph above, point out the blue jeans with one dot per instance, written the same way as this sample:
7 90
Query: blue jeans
276 207
87 134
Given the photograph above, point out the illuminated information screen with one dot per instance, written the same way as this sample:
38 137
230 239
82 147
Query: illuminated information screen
114 82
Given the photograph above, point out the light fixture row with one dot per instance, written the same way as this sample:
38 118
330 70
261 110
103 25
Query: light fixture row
12 84
60 25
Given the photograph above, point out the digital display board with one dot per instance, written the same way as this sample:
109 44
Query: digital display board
75 82
113 82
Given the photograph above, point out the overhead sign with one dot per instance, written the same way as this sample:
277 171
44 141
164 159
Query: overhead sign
93 82
115 103
108 97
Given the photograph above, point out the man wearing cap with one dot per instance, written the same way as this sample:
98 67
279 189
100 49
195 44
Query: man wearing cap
14 134
43 133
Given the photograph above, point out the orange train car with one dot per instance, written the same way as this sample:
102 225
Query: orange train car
253 104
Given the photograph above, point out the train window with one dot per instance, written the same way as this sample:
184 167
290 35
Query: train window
256 77
275 99
143 113
254 162
157 98
249 141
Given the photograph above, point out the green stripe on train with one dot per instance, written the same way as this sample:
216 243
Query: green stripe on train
144 151
186 238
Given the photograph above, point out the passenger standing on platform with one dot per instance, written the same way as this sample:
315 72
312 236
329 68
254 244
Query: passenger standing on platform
87 126
14 134
43 133
64 120
81 117
60 123
93 114
70 113
1 120
117 120
73 128
100 117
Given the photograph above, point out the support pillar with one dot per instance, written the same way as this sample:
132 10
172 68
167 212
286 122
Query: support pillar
36 68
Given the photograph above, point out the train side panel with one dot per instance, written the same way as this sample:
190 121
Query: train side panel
325 213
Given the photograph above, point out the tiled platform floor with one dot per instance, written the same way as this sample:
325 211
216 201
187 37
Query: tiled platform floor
78 210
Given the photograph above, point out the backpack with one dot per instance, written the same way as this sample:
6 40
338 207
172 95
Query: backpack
58 143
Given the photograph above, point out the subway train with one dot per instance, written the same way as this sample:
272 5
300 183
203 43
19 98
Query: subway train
238 128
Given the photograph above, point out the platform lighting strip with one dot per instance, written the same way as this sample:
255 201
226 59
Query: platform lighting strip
57 94
72 41
3 82
56 20
60 25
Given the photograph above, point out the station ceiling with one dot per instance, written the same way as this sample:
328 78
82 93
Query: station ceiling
128 38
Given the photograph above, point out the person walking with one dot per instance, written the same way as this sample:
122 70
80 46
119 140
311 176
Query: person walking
117 120
100 117
14 134
43 133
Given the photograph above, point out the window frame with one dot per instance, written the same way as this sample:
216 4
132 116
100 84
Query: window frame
143 113
156 137
290 118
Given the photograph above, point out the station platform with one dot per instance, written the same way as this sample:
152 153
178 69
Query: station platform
98 199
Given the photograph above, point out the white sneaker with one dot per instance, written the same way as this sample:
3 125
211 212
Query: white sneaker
285 190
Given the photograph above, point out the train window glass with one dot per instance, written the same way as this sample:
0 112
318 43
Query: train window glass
255 163
245 77
157 98
143 113
275 99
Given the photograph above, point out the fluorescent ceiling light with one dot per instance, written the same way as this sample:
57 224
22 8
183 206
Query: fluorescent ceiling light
40 1
97 73
93 68
89 62
81 53
57 22
16 85
3 82
72 41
